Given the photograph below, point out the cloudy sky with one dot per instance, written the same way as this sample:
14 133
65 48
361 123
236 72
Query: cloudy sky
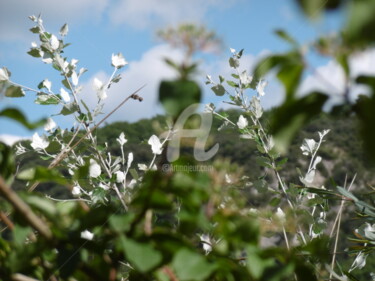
99 28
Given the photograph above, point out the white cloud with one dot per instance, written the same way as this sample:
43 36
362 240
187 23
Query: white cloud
14 22
146 13
149 71
330 78
11 139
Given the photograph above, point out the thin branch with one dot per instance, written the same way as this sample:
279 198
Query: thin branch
25 210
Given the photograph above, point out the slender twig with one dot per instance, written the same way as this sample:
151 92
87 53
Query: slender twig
338 222
25 210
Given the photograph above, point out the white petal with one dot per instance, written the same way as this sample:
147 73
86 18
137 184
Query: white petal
121 139
260 87
118 60
87 235
38 142
74 78
130 159
65 95
4 74
142 167
47 84
120 176
155 144
76 190
280 215
242 122
95 169
54 42
50 125
233 51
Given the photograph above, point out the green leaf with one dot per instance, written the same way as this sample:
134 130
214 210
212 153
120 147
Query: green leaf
142 256
134 174
46 99
64 30
264 162
42 174
189 266
14 92
69 108
20 234
285 36
34 52
232 84
7 162
218 89
364 108
360 24
45 205
234 63
254 263
35 29
16 115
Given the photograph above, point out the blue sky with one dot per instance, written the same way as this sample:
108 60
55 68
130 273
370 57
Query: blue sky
98 28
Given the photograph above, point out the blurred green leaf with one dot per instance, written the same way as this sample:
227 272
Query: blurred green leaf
218 89
14 92
142 256
190 266
17 115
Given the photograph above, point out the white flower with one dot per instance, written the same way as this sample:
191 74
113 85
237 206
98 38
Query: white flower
76 191
73 62
99 88
142 167
118 60
47 84
228 179
74 78
132 183
34 45
121 139
120 176
360 262
94 170
308 146
20 149
155 144
39 142
206 243
233 51
64 95
130 159
54 42
104 186
245 78
280 215
50 125
322 134
260 87
87 235
4 76
242 122
209 79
